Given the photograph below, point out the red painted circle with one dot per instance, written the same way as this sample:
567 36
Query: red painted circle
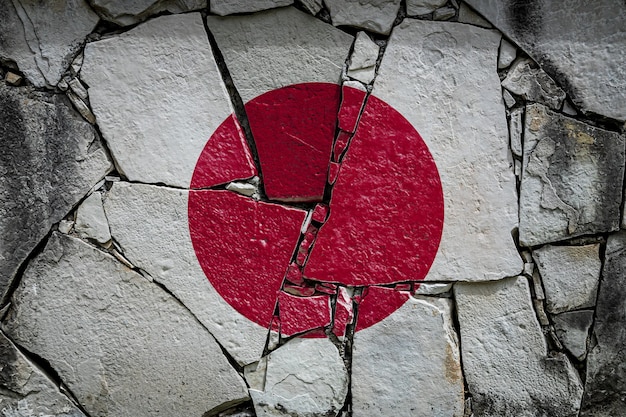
386 209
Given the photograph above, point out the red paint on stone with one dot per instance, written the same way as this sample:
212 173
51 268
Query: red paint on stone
225 157
352 101
369 312
244 248
326 288
293 129
294 274
299 290
301 314
333 172
320 212
340 145
343 312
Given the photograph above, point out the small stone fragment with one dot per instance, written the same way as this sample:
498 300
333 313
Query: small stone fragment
313 6
91 222
226 7
13 79
320 213
65 226
421 7
352 102
516 128
82 107
363 59
507 54
344 313
77 64
124 12
243 188
426 288
533 84
572 329
444 13
508 99
468 15
78 88
373 15
569 109
300 314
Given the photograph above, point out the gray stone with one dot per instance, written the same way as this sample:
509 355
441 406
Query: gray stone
313 6
81 107
42 37
310 50
91 222
453 99
509 100
50 159
427 288
304 377
226 7
363 59
155 108
108 332
572 329
570 275
129 12
467 15
582 45
533 84
505 359
571 180
78 88
25 390
444 13
507 55
13 79
605 387
516 129
372 15
409 363
420 7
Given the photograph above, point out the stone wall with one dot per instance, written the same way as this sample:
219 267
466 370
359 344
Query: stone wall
312 208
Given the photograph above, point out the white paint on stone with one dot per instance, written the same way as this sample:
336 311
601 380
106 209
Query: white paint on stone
372 15
125 12
570 275
508 53
226 7
304 377
442 77
363 59
409 363
533 84
120 343
421 7
91 222
572 329
426 288
505 358
468 15
158 96
310 50
151 225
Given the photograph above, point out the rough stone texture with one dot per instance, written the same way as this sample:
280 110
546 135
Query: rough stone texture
310 50
420 7
155 108
373 15
605 387
444 13
42 37
151 225
467 15
582 45
516 129
571 180
533 84
304 377
25 390
363 59
91 222
409 364
108 331
505 359
50 158
572 329
507 55
125 12
570 276
313 6
225 7
454 100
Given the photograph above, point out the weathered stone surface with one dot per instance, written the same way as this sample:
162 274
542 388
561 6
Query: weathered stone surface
572 178
106 330
409 364
313 6
505 359
226 7
570 276
310 50
569 42
373 15
467 15
91 222
50 159
363 59
25 391
304 377
507 55
453 99
605 387
151 225
533 84
42 37
125 12
516 129
444 13
572 329
156 109
420 7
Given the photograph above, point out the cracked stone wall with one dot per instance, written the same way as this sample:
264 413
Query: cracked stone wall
312 208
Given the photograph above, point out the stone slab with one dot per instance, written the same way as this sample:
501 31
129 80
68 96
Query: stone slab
125 12
572 329
421 7
372 15
363 59
533 84
226 7
91 222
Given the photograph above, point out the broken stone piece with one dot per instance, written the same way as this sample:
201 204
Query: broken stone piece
320 213
125 13
226 7
421 7
372 15
91 222
468 15
509 100
444 13
516 129
13 79
344 313
352 102
426 288
243 188
533 84
78 88
572 329
82 107
313 6
571 180
300 314
507 54
363 59
65 226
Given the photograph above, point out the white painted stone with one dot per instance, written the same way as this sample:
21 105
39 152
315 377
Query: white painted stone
505 360
310 50
243 188
372 15
427 288
42 37
150 223
451 95
444 13
467 15
304 377
516 128
570 275
226 7
120 343
125 12
533 84
91 222
313 6
420 7
363 59
572 329
508 53
409 363
157 102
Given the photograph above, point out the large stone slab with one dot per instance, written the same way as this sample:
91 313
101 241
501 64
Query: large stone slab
569 42
225 7
43 37
124 12
409 363
50 158
372 15
505 357
571 179
454 100
25 390
310 50
108 332
155 108
605 387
